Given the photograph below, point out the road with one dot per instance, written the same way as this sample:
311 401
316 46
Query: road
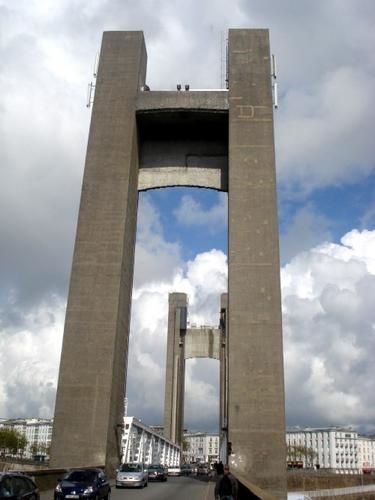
176 488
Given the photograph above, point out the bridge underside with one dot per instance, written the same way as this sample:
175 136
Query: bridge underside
141 140
181 145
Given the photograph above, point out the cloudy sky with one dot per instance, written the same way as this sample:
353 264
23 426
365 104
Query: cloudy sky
325 152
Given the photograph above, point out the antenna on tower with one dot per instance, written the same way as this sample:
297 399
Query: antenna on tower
91 85
274 84
227 64
223 60
275 97
96 64
90 94
274 66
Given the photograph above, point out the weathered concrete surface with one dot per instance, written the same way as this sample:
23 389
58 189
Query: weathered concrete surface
203 342
256 422
157 177
304 480
183 147
175 369
171 135
183 343
178 100
223 412
91 386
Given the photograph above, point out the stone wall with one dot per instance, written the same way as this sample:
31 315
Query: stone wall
299 481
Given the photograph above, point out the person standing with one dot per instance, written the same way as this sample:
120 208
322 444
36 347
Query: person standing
226 487
220 468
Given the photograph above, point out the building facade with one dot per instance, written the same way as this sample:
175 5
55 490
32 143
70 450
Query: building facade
140 443
366 453
340 449
38 433
201 447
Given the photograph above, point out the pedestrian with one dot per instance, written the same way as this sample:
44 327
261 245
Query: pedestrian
220 468
226 487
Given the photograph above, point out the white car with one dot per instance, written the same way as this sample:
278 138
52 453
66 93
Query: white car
174 470
132 475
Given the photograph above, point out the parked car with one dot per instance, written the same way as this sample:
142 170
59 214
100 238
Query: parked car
203 470
133 475
194 469
83 484
186 469
17 486
156 473
174 470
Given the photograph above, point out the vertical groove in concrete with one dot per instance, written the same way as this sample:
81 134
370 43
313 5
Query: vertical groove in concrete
175 371
91 387
256 384
223 415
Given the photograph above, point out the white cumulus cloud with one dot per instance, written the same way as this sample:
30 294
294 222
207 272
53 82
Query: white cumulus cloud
329 333
190 212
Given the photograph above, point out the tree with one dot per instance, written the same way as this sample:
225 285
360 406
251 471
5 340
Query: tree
298 453
295 452
34 448
311 455
39 448
12 442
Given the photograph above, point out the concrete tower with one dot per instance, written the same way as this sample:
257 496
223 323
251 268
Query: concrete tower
144 139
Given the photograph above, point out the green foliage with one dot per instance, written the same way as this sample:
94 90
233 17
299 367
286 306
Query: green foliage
39 448
301 453
34 448
12 442
185 445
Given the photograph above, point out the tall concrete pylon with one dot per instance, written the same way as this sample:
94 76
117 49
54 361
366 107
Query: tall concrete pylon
256 411
145 139
175 368
185 343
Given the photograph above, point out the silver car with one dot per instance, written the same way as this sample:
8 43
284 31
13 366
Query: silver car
132 475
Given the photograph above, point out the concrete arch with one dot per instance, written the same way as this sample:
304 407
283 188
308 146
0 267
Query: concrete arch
203 342
159 177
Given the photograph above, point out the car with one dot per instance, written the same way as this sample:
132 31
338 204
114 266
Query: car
84 484
174 470
194 469
132 475
17 486
186 470
203 470
156 472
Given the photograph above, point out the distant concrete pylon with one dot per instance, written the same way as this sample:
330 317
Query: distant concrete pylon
185 343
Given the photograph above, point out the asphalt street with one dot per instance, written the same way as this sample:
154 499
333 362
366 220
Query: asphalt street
176 488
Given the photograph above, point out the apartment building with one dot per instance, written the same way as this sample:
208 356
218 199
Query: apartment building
366 453
37 431
341 450
201 447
